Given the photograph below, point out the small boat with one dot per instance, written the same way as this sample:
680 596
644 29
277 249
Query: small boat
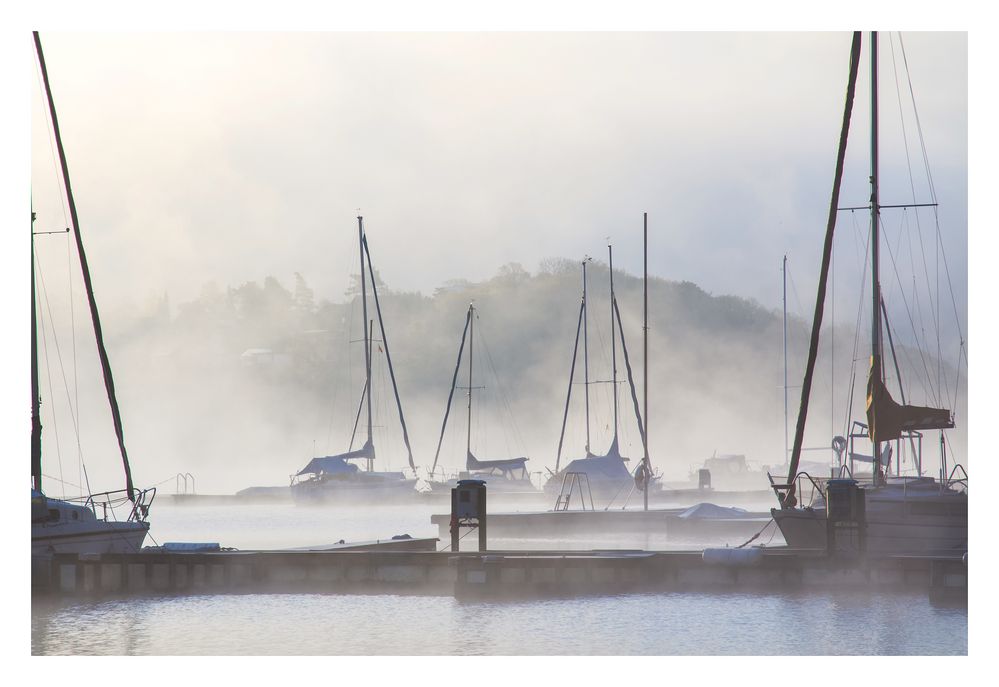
505 476
606 477
88 524
65 526
335 479
883 514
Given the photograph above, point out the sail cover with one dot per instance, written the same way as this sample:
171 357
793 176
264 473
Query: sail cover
473 463
887 419
338 463
608 466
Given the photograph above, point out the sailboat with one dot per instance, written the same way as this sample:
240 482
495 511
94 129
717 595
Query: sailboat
885 514
336 479
505 476
607 475
88 524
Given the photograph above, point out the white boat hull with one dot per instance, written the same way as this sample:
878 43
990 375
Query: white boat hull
95 536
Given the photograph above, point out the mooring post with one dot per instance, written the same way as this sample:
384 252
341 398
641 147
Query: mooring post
482 518
468 509
454 520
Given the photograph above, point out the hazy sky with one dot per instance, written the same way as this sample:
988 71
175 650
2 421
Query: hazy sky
228 157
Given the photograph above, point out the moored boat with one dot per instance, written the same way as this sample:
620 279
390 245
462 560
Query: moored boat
884 514
335 479
504 476
88 524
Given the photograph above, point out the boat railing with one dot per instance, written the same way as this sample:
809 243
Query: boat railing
105 504
952 480
781 489
140 508
445 475
815 490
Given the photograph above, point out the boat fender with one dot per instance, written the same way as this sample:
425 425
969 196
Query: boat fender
732 557
640 478
190 547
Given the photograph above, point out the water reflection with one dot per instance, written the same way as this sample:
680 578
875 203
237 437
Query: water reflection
655 624
317 624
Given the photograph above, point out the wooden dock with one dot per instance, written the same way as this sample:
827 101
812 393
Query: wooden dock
491 575
520 575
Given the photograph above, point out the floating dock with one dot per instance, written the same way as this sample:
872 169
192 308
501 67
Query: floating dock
666 524
492 575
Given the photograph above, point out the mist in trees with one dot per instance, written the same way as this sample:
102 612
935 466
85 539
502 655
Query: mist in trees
245 383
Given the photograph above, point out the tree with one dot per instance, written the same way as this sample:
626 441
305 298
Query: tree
304 297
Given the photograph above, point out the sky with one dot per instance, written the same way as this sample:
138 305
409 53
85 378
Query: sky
222 157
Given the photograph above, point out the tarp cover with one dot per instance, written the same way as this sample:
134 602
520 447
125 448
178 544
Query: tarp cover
338 463
606 467
709 511
887 420
473 463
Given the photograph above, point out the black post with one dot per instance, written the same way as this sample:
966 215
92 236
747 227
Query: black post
482 518
454 521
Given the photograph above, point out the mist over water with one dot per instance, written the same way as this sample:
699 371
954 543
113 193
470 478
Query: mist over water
244 385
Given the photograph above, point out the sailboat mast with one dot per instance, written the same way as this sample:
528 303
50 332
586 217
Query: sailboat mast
568 393
370 329
788 500
388 357
450 396
94 316
586 362
875 216
471 341
364 313
610 260
784 304
36 423
645 354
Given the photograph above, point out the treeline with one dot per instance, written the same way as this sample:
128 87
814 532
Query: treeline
266 369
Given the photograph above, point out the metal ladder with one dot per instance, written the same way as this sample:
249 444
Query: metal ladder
572 481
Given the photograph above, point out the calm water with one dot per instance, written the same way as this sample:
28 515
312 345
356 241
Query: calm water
656 624
327 624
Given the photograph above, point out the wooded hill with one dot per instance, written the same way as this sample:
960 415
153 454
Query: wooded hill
266 374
